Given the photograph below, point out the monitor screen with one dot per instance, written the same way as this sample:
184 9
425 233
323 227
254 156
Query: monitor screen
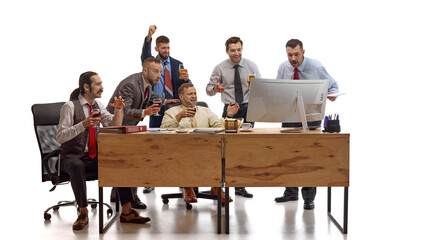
274 100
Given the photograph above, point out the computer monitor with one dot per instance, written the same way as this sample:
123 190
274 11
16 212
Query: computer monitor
288 101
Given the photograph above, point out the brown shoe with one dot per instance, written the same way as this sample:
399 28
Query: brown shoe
81 222
213 191
133 217
189 195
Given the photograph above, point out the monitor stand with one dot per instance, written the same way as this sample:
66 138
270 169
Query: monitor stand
302 114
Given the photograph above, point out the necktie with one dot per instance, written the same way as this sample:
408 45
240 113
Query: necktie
237 85
145 95
296 74
92 138
168 87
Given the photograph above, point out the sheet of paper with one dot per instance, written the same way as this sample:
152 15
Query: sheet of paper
335 94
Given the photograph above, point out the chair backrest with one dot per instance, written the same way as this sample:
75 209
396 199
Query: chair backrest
46 118
203 104
170 105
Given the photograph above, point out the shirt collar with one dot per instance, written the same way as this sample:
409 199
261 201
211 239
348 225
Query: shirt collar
82 100
241 63
145 84
165 62
302 66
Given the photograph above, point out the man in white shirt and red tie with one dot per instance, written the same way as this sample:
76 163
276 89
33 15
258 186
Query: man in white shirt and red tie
77 134
300 67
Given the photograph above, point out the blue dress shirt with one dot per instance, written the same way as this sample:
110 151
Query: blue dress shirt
159 88
310 69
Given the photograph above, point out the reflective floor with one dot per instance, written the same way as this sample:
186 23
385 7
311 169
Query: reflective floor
370 217
249 218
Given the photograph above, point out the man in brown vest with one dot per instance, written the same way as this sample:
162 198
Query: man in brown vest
76 133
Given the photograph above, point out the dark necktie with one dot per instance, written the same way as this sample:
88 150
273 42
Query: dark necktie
296 74
92 138
237 85
168 87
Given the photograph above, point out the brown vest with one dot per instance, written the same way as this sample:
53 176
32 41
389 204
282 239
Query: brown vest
76 146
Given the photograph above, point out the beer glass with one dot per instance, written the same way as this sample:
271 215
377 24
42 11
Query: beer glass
182 70
250 76
195 110
158 101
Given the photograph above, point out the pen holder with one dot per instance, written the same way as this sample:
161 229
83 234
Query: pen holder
332 126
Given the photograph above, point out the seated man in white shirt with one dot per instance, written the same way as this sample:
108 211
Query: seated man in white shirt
190 115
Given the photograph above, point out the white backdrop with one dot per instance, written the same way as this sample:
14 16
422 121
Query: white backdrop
374 49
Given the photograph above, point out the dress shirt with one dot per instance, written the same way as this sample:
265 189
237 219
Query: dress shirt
310 69
204 118
68 130
226 73
159 88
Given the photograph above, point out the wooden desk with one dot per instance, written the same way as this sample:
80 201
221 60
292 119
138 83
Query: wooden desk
269 158
159 160
261 158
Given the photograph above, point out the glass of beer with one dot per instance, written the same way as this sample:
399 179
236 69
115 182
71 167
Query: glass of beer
158 101
195 111
182 70
250 76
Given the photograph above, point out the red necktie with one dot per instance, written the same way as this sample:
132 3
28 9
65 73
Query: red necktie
145 95
296 74
92 138
168 82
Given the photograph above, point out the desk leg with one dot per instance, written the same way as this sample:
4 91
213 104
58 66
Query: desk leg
343 229
227 210
103 227
219 210
101 209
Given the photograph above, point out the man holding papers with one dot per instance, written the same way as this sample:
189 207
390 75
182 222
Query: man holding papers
300 67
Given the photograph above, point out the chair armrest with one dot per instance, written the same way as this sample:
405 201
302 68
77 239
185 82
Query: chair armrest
53 176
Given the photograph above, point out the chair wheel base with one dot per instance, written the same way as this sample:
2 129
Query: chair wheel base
188 206
47 216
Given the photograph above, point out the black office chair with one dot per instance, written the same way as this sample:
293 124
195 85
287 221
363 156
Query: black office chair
204 194
46 118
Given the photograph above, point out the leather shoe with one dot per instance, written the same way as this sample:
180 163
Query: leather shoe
138 204
309 204
243 192
133 217
81 222
189 195
148 189
287 198
213 192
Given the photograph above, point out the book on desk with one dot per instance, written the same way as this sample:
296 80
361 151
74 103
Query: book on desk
123 129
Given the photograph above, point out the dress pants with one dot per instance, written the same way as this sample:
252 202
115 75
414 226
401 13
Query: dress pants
242 113
76 169
308 193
